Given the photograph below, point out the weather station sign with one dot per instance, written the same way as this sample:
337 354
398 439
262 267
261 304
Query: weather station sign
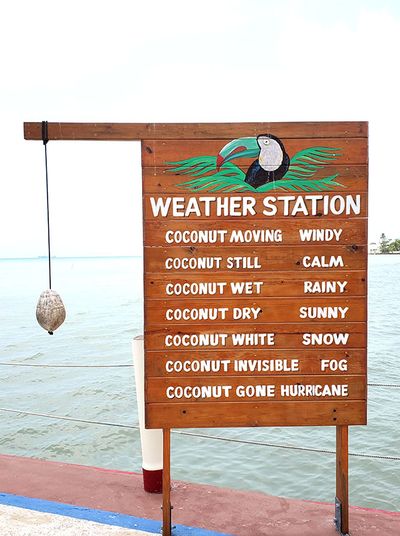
255 257
255 274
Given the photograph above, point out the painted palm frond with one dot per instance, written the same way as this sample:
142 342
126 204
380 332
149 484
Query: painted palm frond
199 165
205 177
302 185
229 178
216 184
305 163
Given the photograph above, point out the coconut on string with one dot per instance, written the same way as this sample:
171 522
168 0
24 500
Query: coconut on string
50 310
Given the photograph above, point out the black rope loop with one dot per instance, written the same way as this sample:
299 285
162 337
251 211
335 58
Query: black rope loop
45 132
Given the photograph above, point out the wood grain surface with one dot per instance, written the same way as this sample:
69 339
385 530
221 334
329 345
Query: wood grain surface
275 199
157 387
160 152
286 336
162 180
278 231
263 259
245 310
196 286
140 131
221 362
237 414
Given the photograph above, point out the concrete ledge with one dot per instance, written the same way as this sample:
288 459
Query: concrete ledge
16 521
19 513
221 510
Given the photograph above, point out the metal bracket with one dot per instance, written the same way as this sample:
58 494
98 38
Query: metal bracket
338 517
171 527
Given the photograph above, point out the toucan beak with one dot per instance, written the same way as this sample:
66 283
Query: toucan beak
220 161
239 148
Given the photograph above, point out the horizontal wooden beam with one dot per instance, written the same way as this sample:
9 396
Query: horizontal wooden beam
154 131
272 413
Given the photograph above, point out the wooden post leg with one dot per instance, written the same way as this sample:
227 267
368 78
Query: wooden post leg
342 480
166 527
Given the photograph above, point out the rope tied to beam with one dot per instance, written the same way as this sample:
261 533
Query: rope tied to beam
50 310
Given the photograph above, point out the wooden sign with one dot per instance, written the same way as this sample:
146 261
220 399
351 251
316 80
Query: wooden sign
255 277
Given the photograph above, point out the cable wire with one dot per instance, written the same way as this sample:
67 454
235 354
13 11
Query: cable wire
289 447
205 436
383 385
65 418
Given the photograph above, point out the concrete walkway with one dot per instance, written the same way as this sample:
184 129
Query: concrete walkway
210 509
22 522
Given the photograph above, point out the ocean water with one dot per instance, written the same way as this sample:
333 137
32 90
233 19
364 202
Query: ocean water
103 297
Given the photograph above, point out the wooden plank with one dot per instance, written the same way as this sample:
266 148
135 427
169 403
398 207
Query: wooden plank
189 286
161 180
278 231
236 389
139 131
236 414
205 259
282 336
275 204
244 310
160 152
262 362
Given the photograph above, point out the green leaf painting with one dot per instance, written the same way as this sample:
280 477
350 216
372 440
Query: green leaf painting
220 174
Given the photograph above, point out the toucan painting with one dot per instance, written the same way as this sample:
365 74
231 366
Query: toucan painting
271 169
271 165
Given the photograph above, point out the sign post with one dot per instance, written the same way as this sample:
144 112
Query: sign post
166 507
342 480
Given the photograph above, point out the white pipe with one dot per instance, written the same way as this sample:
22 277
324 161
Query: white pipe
151 440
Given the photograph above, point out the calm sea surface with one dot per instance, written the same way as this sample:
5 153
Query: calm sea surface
103 297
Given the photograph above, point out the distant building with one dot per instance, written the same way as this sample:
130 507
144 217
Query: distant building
373 248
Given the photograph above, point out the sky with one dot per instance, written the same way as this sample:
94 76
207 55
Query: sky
178 61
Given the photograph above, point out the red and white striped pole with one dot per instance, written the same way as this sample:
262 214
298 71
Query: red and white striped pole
151 440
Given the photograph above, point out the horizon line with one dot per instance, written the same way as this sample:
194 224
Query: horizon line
44 257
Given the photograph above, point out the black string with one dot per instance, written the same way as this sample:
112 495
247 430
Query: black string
45 138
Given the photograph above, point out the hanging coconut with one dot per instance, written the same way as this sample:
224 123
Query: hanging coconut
50 310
